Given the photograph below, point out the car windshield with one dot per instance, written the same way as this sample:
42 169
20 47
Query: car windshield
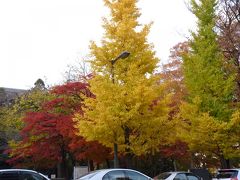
227 174
163 175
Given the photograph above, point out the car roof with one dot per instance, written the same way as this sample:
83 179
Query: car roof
113 169
2 170
104 171
235 169
177 172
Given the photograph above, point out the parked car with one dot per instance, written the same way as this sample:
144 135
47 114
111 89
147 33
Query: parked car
228 174
21 174
115 174
177 176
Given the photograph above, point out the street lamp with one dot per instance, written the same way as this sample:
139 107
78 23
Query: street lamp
123 55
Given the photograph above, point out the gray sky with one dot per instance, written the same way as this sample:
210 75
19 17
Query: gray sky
39 38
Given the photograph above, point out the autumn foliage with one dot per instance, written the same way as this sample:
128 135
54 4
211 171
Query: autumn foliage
49 135
187 113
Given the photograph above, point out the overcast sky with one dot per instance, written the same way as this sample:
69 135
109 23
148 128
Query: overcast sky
39 38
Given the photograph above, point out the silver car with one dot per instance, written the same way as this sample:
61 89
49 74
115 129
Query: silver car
228 174
115 174
21 174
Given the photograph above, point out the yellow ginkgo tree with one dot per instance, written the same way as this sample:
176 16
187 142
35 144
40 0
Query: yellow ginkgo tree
130 104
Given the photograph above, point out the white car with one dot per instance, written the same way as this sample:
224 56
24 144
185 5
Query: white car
21 174
115 174
228 174
177 176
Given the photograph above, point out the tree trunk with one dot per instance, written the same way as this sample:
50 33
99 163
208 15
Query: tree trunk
225 163
192 164
174 164
90 165
128 157
107 163
64 168
59 170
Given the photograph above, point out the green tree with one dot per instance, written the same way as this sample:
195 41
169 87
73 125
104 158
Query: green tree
131 109
30 101
203 66
210 88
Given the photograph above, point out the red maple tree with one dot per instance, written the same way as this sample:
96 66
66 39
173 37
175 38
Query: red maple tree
50 137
